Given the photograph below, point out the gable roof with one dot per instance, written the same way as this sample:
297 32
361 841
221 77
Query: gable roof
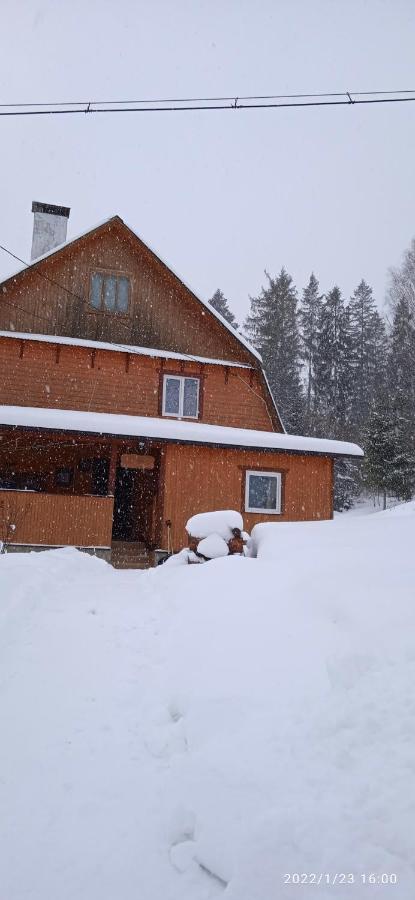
117 219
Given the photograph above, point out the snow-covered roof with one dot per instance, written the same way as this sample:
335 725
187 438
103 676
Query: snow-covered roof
119 348
239 337
171 430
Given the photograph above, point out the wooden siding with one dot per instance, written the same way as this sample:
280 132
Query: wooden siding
60 376
55 520
163 311
198 479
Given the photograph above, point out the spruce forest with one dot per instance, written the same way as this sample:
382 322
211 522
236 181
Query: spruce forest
337 368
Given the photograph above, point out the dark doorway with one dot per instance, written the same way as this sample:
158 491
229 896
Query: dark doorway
124 506
134 500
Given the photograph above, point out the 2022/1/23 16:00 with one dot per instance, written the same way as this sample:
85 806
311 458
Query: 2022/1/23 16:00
340 878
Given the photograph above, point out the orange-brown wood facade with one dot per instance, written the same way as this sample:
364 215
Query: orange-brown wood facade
199 479
163 313
65 377
27 517
186 479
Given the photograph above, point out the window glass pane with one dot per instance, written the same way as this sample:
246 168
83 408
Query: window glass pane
262 492
191 397
172 396
123 294
109 292
96 286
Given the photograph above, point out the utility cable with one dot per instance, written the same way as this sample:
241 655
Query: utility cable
206 104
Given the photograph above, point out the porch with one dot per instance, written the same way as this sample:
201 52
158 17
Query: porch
98 494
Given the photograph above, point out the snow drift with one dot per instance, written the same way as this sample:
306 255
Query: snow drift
198 732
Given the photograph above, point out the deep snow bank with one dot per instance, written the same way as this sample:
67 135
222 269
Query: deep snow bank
198 732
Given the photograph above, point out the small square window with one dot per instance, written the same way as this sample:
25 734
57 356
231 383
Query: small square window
110 293
263 492
181 396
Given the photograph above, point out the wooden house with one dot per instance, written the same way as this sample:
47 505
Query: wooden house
127 405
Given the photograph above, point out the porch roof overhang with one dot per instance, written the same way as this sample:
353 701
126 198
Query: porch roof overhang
170 430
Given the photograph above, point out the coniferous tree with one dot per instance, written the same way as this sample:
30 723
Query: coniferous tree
401 381
332 364
334 389
380 349
368 352
220 303
380 447
347 478
272 327
309 316
344 405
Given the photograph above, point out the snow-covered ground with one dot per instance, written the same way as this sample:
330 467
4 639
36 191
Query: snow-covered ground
199 732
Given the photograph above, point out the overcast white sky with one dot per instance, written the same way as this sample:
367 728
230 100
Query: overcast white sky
223 195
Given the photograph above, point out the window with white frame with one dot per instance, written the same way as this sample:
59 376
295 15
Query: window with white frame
263 492
181 396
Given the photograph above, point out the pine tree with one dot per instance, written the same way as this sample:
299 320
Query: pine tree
333 386
347 478
380 447
309 316
368 349
220 303
380 348
272 327
401 380
332 365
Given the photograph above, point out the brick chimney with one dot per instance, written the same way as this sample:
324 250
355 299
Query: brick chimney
49 227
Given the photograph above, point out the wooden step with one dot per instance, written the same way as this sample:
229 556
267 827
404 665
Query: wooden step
130 555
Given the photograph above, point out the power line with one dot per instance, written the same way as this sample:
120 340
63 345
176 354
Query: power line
206 104
41 275
213 99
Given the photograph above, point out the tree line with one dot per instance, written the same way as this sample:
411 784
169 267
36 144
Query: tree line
337 368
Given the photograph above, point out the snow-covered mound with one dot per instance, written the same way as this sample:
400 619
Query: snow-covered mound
220 522
202 731
213 547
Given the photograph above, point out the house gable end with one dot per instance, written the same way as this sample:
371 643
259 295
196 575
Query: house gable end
52 296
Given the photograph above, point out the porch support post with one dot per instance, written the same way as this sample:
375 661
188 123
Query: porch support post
112 469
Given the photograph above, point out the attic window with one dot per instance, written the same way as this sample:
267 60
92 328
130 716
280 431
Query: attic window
110 293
